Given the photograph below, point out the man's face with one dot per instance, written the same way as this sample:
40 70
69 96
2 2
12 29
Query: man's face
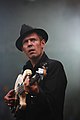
33 46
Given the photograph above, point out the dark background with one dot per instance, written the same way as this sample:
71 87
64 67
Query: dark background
61 19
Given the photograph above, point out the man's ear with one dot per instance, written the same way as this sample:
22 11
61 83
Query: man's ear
43 43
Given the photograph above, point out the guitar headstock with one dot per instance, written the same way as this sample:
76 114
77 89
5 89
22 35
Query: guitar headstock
42 70
44 67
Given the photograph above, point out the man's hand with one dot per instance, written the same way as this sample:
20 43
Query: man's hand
9 98
34 88
31 89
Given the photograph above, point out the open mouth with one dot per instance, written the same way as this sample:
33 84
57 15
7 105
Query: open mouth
31 51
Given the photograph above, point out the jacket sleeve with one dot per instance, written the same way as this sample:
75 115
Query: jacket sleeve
52 96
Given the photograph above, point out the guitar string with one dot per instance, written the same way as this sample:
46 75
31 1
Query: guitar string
20 88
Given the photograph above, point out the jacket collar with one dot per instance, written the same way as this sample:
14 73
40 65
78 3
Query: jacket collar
28 64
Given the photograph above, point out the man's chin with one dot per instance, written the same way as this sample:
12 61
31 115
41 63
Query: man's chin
33 56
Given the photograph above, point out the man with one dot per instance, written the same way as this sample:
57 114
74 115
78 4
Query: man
45 99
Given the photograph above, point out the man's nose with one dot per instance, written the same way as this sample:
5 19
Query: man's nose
29 43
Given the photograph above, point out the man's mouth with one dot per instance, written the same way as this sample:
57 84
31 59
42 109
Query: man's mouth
31 51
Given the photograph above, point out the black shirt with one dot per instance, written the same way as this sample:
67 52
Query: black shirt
49 103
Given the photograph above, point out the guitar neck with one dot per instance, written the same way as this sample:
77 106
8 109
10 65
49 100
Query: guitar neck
35 78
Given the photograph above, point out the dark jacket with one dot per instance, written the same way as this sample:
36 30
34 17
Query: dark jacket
49 103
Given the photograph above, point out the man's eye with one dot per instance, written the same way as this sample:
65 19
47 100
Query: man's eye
33 40
26 41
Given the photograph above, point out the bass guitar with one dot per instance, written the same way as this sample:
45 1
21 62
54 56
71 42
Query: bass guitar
20 94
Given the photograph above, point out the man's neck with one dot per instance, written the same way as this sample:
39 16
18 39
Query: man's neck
35 60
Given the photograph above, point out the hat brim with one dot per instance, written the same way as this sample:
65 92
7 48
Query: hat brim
40 32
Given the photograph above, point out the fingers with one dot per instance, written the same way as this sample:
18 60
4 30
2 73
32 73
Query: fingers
26 82
26 85
9 95
9 98
35 88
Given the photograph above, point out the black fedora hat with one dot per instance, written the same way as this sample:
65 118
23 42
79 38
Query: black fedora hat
25 31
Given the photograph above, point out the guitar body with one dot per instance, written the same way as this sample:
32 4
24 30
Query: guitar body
19 92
